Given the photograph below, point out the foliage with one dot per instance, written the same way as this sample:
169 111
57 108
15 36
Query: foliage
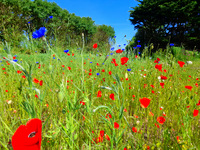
161 22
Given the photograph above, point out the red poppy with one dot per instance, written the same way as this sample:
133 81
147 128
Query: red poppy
102 70
41 83
99 94
159 67
134 129
195 113
112 96
157 125
163 77
116 125
161 120
144 102
107 137
18 71
181 63
95 45
28 137
124 60
198 104
110 72
119 51
155 61
36 80
162 84
102 133
188 87
81 102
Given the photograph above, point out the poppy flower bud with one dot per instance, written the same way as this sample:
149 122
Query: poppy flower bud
50 68
60 96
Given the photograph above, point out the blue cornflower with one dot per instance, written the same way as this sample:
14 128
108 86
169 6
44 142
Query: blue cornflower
171 44
39 33
114 36
66 51
112 49
138 45
20 61
111 53
97 55
128 69
90 62
138 41
107 55
36 51
50 17
102 63
98 74
0 61
97 51
15 55
134 47
124 44
53 57
15 60
123 49
119 45
138 52
37 62
29 22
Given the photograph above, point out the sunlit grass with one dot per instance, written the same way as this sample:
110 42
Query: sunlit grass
71 124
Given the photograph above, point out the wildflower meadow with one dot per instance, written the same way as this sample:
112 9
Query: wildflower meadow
70 99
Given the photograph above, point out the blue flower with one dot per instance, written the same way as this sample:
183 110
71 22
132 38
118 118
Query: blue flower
112 49
123 49
90 62
39 33
102 63
111 53
15 55
134 47
53 57
37 62
114 36
97 51
138 52
119 45
124 44
107 55
66 51
98 74
171 44
138 41
0 61
138 45
15 60
20 61
128 69
29 22
97 55
36 51
50 17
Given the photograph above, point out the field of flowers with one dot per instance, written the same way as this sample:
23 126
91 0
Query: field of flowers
88 101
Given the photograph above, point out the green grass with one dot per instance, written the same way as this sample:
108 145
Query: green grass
64 126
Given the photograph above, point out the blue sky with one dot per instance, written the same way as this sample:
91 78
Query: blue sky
109 12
